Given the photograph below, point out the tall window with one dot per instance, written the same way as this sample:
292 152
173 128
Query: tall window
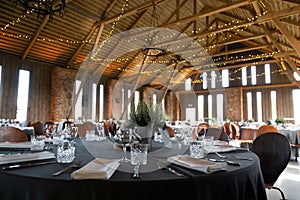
129 104
200 107
244 75
204 76
213 79
267 74
23 91
101 102
249 105
0 75
273 105
136 98
220 106
225 78
94 100
296 76
209 102
259 106
78 105
163 106
123 100
253 75
296 99
154 99
188 84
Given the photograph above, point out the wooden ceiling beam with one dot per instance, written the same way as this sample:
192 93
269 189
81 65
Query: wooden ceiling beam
132 11
118 43
87 37
237 66
38 32
279 14
288 35
36 35
208 12
277 46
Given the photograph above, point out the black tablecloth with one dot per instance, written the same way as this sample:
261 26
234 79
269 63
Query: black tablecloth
243 182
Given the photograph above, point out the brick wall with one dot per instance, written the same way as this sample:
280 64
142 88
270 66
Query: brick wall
233 104
61 93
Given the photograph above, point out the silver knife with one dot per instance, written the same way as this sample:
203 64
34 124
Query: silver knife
229 162
27 165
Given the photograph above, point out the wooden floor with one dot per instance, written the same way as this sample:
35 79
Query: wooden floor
288 182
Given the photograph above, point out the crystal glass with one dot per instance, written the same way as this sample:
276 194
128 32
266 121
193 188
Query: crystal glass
123 137
37 143
65 152
138 156
179 137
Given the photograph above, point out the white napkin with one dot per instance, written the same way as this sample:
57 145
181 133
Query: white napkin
15 145
13 158
219 148
197 164
99 168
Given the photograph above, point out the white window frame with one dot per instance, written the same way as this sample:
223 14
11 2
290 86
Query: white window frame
23 95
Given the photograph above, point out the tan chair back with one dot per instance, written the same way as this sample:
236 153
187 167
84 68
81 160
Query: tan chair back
266 129
12 134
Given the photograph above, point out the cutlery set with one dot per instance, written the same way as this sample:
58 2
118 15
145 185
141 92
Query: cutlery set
21 165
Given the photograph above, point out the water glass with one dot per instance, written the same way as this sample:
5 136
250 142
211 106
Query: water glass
208 140
90 135
37 143
65 152
197 150
138 154
57 138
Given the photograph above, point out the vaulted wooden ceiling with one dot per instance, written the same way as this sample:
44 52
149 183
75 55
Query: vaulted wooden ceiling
227 34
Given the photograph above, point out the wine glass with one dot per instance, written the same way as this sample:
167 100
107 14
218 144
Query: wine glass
201 132
179 137
138 156
100 130
72 133
123 137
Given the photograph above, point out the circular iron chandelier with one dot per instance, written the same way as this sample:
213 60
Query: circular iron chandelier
42 7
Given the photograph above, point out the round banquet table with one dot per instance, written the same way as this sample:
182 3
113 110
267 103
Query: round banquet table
243 182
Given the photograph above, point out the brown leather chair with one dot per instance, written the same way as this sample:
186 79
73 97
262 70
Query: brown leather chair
266 129
170 131
82 128
38 128
227 128
67 123
12 134
50 125
232 130
200 128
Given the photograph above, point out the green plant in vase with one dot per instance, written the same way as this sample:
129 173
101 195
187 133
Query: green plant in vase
146 118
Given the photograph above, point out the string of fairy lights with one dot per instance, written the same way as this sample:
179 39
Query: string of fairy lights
235 26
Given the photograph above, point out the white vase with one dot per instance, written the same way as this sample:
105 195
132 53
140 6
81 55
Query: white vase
146 133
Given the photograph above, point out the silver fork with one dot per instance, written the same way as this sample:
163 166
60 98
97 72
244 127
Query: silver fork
219 155
164 166
75 165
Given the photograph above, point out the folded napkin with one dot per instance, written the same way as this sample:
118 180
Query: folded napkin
14 158
99 168
219 148
197 164
219 143
15 145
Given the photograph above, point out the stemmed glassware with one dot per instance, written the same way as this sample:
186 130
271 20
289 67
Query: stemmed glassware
138 156
100 130
179 137
123 137
72 133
